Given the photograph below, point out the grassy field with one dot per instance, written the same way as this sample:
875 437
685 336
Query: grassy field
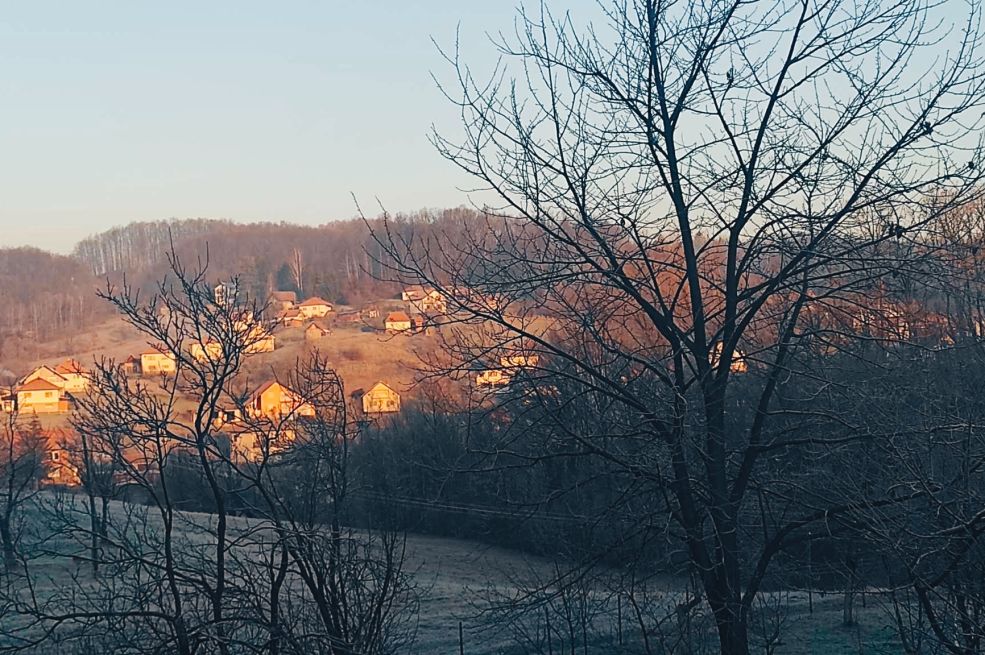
458 576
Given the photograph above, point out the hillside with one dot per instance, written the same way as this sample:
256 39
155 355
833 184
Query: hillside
50 305
361 355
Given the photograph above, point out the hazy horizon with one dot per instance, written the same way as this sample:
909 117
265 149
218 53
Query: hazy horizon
119 113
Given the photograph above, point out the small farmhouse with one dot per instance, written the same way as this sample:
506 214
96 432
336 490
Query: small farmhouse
410 294
315 308
157 362
380 399
316 332
273 400
348 318
397 322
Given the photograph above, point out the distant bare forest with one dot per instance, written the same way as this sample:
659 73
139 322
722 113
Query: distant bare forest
45 294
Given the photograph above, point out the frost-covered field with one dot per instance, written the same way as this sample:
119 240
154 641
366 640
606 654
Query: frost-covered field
458 578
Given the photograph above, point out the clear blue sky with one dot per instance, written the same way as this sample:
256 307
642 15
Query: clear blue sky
115 111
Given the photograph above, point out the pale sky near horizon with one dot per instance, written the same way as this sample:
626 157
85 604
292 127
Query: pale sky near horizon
117 111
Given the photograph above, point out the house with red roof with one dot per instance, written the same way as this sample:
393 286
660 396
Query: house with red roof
39 396
75 375
397 322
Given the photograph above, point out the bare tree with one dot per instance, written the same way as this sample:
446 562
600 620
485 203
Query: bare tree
291 579
682 187
297 269
23 464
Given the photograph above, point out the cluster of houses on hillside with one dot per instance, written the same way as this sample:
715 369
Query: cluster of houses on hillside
47 389
275 413
322 313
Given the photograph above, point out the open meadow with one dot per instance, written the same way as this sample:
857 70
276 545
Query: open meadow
462 582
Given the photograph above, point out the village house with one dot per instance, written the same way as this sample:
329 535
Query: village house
273 400
291 316
380 399
69 376
424 300
492 377
59 467
316 332
75 375
397 322
131 366
410 294
39 396
281 300
46 373
315 308
157 362
247 445
210 351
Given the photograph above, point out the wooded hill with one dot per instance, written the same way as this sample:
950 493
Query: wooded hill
45 295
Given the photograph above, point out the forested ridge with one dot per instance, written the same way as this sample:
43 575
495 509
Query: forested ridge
46 294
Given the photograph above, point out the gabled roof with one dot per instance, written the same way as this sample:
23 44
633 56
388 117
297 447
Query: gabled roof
132 359
71 367
38 384
45 367
385 386
397 317
284 296
267 385
315 301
